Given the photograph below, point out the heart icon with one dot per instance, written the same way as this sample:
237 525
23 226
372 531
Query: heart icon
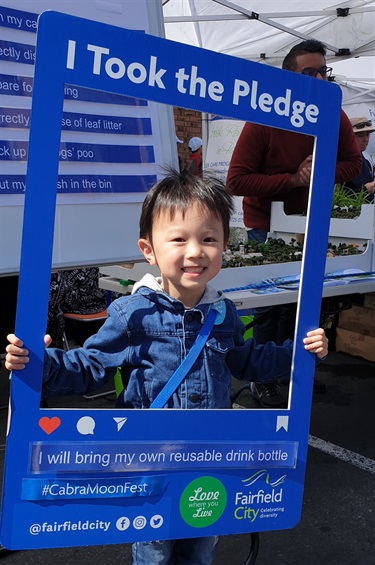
49 425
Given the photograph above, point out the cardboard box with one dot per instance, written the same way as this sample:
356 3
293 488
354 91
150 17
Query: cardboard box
355 343
358 319
369 300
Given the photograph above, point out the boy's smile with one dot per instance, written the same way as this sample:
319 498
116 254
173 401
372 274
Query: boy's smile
188 250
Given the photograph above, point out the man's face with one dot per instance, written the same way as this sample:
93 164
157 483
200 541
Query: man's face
362 138
309 62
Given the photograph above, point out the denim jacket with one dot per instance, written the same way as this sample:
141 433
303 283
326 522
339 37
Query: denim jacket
148 334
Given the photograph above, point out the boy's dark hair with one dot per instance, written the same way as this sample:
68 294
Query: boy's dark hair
176 192
308 46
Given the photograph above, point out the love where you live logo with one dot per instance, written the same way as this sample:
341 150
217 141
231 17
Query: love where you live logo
203 502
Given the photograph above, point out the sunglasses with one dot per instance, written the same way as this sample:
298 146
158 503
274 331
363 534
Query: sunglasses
362 125
323 71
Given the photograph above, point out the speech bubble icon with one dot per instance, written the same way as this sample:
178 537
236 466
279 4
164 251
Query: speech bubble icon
86 425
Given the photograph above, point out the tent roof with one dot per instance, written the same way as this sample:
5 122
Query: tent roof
265 30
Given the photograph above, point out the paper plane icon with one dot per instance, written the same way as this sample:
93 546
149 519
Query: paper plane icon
120 422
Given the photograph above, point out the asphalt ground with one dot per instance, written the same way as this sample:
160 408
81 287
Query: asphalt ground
338 516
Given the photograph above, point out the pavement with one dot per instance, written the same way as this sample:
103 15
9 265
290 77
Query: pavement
338 517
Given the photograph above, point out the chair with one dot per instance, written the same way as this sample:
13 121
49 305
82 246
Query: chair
84 318
87 319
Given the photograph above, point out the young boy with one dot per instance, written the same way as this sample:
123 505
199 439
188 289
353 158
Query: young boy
184 228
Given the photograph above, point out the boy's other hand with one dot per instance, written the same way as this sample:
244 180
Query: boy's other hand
317 342
17 356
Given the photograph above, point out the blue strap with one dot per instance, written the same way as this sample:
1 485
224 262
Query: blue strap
181 371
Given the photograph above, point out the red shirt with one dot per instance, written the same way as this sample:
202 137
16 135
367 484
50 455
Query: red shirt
196 164
264 159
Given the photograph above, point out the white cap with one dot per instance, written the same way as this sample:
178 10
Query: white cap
362 124
178 140
195 143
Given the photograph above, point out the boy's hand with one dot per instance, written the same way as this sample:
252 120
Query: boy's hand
17 356
317 342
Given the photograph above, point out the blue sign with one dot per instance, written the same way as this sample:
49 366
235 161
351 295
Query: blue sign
18 19
142 456
86 184
17 85
81 477
106 124
19 118
83 152
17 52
114 487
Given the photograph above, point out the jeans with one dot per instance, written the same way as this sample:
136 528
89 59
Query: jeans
279 324
193 551
257 235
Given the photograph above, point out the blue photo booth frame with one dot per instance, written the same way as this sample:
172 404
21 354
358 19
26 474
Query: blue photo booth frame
89 477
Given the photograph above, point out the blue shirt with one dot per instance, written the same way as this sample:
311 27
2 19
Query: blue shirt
365 176
148 334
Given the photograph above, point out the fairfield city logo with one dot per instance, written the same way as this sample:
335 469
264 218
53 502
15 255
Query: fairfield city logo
249 505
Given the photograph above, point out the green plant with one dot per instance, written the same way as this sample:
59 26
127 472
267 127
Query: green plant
346 203
278 251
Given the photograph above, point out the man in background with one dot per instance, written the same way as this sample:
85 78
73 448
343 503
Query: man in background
363 128
195 164
270 164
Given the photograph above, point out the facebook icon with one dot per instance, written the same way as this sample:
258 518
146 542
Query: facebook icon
122 523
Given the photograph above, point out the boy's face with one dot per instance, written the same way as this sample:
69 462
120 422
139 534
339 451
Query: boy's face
188 251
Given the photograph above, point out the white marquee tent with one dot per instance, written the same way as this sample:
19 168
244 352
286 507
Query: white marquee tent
265 30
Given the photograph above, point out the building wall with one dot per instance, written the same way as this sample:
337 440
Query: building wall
188 124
